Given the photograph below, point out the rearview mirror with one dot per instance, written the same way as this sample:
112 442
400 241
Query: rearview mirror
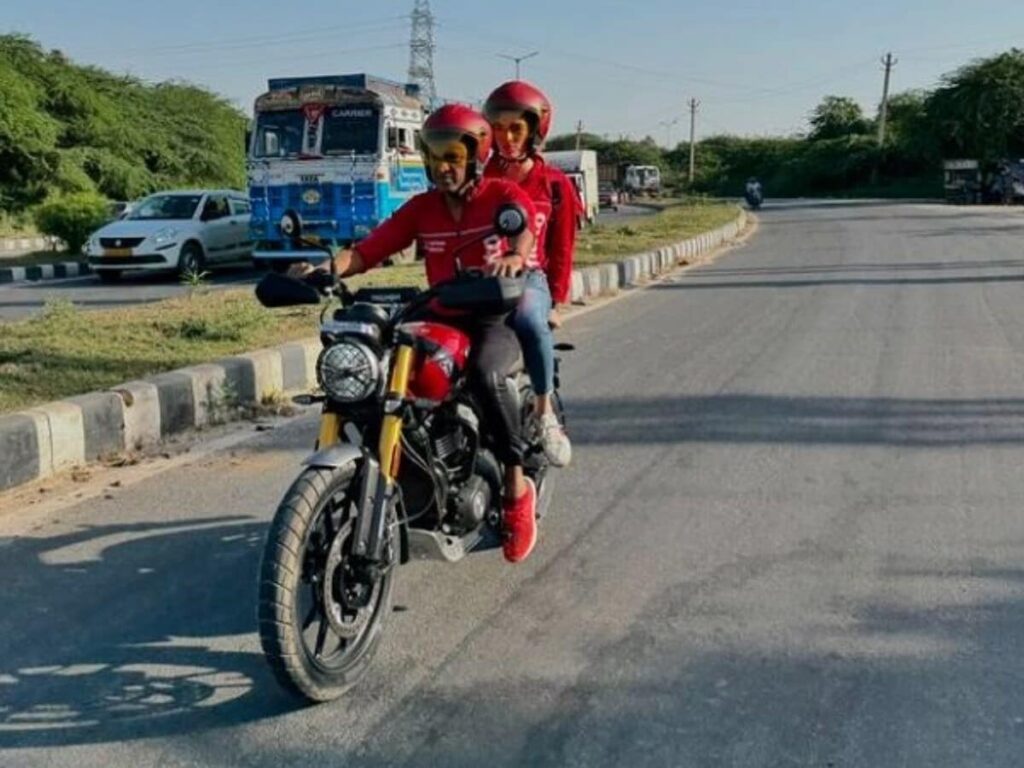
510 220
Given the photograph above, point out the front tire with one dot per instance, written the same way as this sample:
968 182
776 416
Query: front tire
306 655
191 259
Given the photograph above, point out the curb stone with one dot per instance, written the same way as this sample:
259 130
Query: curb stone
37 442
39 272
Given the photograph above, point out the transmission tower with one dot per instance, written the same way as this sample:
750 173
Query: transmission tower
421 51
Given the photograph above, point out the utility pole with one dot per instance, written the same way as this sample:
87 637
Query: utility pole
883 113
579 134
518 59
693 137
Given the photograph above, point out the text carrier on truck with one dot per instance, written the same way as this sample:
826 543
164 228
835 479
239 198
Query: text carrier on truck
338 152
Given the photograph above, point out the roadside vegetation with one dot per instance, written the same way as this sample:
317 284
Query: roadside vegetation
65 351
67 129
976 112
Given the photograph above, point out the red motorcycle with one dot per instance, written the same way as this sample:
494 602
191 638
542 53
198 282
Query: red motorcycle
404 468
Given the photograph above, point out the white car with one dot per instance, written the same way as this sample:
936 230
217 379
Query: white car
185 231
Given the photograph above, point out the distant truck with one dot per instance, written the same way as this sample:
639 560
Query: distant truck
339 151
581 168
631 180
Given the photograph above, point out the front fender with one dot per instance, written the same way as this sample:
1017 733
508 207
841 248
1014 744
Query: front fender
342 453
335 456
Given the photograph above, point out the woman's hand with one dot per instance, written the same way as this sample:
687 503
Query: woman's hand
509 266
555 319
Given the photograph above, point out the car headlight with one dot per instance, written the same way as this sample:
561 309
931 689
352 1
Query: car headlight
165 235
348 371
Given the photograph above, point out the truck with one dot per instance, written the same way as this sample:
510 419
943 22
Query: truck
631 180
337 151
581 168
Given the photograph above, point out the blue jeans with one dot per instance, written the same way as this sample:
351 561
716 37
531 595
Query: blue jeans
530 322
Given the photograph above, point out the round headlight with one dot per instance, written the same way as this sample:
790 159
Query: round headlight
348 371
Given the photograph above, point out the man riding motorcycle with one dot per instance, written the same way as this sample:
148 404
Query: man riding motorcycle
520 117
446 223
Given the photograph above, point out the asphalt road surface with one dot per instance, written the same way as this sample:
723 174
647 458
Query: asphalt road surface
792 535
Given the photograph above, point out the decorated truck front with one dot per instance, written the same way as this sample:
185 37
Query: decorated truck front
339 152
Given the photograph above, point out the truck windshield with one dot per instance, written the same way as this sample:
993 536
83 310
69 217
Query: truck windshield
279 134
351 129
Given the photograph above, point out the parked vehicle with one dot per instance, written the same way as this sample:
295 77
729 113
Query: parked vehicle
962 181
404 469
184 231
608 196
339 152
581 167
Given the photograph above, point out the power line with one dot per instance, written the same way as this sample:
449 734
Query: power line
222 44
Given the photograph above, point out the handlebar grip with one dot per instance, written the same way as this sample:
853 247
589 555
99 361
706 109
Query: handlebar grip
319 279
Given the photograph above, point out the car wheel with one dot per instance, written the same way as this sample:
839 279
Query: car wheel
191 259
108 275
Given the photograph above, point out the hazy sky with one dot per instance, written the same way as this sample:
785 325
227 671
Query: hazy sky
621 67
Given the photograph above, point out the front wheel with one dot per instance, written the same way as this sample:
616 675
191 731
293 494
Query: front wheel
320 622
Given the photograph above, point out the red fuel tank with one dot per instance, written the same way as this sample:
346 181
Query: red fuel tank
437 369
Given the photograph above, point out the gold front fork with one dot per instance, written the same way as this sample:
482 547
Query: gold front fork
390 447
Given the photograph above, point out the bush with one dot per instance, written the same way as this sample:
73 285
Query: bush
72 218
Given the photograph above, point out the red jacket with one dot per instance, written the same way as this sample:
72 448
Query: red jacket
556 223
426 220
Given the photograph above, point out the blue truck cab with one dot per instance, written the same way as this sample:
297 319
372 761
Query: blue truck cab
339 151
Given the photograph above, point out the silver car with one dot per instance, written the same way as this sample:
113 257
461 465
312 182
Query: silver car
185 231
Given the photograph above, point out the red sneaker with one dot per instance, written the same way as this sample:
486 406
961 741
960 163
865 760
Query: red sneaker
519 524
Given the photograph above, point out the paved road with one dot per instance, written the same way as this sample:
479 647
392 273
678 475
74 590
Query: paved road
791 536
21 300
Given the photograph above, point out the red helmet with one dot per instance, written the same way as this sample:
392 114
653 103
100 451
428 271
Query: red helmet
462 123
521 96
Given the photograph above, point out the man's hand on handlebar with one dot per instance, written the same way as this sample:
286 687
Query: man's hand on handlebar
300 270
508 266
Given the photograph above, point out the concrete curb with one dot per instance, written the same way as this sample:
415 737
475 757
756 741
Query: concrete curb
37 442
56 271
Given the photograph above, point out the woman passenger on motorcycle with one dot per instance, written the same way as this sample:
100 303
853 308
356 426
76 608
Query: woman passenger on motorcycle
455 142
520 117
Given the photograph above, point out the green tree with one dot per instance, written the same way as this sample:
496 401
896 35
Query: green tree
978 111
72 218
837 117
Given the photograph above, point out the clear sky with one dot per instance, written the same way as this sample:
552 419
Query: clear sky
621 67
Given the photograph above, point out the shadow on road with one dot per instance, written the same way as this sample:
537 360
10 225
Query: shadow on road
912 422
120 632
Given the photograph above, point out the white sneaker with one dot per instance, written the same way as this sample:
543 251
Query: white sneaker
555 442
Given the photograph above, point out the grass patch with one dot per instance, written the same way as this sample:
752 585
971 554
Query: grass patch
37 257
65 351
677 221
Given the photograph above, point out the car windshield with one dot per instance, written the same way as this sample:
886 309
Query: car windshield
166 207
279 134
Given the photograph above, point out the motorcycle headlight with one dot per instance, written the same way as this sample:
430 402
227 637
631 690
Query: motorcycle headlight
348 371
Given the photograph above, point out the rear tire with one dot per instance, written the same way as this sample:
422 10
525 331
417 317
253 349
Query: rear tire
317 503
